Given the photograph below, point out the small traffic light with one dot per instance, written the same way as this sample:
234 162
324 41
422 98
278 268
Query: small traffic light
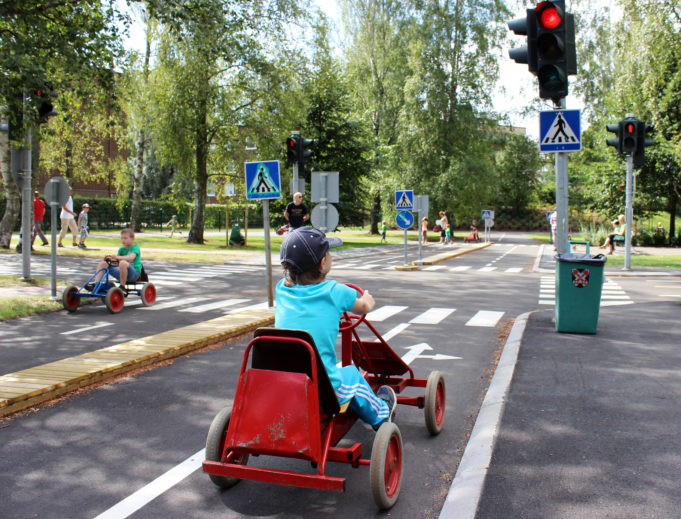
527 53
292 148
616 141
629 136
643 140
305 153
42 99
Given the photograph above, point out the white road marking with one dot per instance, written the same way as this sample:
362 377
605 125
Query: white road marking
151 491
392 333
87 328
460 268
485 318
214 306
435 267
257 306
173 304
514 269
382 313
487 269
432 316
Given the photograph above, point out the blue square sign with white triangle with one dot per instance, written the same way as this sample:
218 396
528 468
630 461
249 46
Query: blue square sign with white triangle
559 130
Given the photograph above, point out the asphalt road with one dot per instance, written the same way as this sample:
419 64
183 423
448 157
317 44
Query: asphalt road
87 454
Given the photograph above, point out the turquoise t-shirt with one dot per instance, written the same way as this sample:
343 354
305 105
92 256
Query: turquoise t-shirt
137 263
317 310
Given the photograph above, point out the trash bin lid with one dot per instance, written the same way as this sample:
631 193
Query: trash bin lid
579 257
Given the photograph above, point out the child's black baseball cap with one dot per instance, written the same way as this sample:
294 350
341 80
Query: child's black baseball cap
305 247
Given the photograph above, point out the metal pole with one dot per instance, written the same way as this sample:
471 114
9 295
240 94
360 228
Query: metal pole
26 230
54 206
268 253
295 172
420 239
227 222
405 247
323 203
561 194
629 212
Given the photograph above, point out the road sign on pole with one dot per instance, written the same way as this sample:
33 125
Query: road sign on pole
404 199
404 219
262 180
559 130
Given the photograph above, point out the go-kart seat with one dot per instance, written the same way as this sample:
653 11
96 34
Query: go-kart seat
142 279
293 357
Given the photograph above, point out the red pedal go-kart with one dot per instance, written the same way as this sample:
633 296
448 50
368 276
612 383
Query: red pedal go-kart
285 406
113 295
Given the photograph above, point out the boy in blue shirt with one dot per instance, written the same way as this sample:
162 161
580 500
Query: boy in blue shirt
305 300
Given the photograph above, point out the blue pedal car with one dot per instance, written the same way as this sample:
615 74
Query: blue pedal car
113 294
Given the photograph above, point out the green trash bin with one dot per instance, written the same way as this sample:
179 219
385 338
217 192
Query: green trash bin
579 283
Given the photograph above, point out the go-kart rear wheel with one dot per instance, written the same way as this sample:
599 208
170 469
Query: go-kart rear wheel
114 300
434 404
148 294
386 465
215 443
69 298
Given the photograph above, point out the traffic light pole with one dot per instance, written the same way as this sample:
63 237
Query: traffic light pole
295 171
561 161
629 212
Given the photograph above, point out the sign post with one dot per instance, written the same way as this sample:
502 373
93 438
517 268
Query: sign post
404 202
56 195
263 182
488 217
324 189
229 191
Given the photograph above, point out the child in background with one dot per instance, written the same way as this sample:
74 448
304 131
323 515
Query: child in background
424 229
82 225
448 234
172 223
384 229
305 300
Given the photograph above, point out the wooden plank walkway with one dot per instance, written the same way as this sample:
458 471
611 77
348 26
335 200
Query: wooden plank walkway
444 256
33 386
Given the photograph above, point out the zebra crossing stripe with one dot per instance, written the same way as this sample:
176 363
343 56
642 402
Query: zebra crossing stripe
485 318
173 304
432 316
214 306
434 267
514 269
460 268
382 313
487 269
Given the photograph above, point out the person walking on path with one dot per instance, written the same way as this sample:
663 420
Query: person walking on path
384 230
424 229
38 215
296 213
172 223
68 220
82 225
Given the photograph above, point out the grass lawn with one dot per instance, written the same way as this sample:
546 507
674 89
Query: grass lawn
27 305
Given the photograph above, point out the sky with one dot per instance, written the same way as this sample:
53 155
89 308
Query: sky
516 87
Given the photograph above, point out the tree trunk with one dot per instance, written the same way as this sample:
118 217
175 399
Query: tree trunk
198 222
12 195
136 211
376 211
672 219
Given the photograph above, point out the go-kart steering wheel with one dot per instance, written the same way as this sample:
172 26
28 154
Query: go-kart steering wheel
349 321
111 262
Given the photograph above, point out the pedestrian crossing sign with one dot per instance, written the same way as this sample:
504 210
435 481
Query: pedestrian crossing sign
404 199
262 180
559 130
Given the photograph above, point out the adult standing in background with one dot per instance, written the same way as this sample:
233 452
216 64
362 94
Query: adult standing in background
38 215
296 213
444 221
68 220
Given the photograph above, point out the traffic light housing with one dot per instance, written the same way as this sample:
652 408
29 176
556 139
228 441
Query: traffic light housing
555 49
629 136
43 103
643 140
298 149
527 53
616 141
292 148
305 153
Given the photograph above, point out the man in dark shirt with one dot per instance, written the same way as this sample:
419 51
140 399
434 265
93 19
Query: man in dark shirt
296 213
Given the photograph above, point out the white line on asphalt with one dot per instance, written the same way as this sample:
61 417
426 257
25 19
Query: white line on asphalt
382 313
432 316
487 269
392 333
165 283
464 494
670 295
485 318
435 267
151 491
173 304
369 266
460 268
514 269
87 328
214 306
257 306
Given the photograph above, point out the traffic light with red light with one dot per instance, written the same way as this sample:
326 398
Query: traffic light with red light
292 148
629 136
298 149
556 55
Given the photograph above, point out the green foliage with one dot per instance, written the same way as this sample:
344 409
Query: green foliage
517 166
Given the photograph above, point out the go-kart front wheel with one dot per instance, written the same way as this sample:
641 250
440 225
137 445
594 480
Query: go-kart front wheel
114 300
69 298
215 443
434 404
148 294
386 465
